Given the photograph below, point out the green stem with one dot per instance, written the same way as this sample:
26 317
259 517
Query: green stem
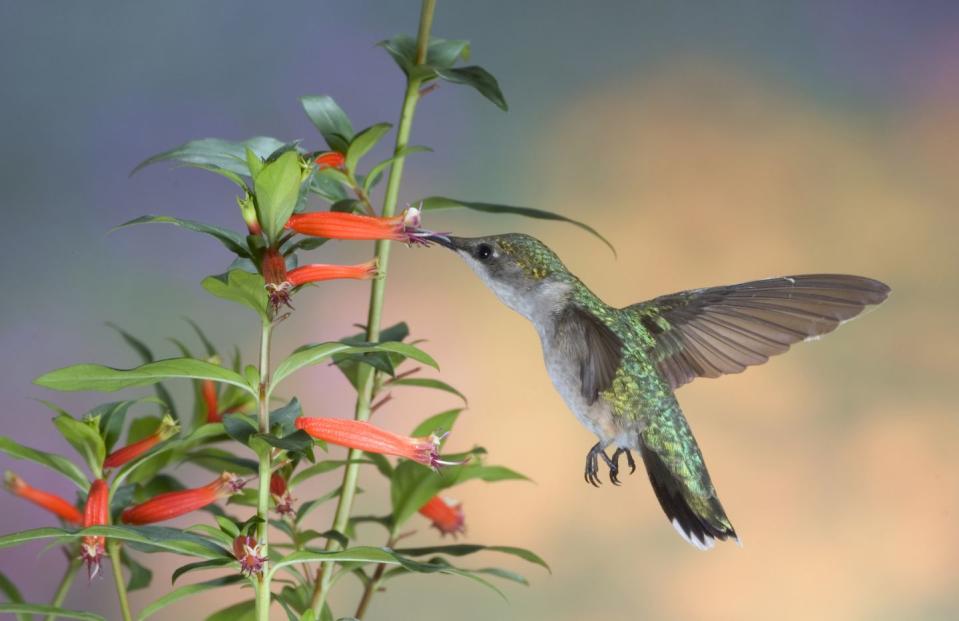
263 496
65 583
114 549
367 375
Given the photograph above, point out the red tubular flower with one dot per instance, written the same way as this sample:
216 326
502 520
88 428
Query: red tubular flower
446 515
316 272
338 225
370 438
281 494
51 502
96 513
208 392
274 275
330 159
174 504
167 429
251 555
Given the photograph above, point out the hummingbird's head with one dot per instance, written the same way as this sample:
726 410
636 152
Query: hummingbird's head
521 270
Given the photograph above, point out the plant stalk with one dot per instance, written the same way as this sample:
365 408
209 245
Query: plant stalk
114 550
65 583
367 375
263 496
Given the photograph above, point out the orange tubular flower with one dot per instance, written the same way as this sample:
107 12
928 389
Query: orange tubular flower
51 502
174 504
370 438
446 515
331 159
96 513
316 272
338 225
208 392
167 429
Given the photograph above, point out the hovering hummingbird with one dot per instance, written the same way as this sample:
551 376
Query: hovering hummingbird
618 369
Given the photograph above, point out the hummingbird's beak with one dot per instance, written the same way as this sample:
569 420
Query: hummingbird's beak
446 241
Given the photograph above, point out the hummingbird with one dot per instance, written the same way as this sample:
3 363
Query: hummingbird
618 369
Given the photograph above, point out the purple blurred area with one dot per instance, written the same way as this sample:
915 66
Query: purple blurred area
711 144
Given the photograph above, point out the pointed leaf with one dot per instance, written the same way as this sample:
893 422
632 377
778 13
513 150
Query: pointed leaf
242 611
215 152
423 382
44 609
231 240
184 592
241 287
373 177
330 119
477 77
85 438
96 377
277 188
463 549
441 202
52 461
440 422
150 537
363 142
213 563
147 356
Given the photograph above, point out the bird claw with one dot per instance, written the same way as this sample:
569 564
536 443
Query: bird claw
592 464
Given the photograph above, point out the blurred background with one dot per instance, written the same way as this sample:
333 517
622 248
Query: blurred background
712 143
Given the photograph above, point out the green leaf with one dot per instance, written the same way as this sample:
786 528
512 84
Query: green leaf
231 240
146 356
210 564
277 187
443 421
239 427
207 344
229 174
413 485
478 78
96 377
373 177
242 611
363 142
241 287
441 202
315 354
184 592
428 383
284 418
217 460
442 53
52 461
363 554
44 609
140 576
13 595
218 153
296 443
85 438
330 119
463 549
149 537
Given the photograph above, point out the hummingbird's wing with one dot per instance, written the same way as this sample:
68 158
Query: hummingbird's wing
592 345
719 330
678 475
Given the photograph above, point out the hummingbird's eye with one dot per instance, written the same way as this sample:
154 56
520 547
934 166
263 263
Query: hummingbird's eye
484 251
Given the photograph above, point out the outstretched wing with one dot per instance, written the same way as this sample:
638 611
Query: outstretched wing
719 330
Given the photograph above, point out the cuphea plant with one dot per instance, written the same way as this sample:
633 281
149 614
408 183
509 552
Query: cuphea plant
259 446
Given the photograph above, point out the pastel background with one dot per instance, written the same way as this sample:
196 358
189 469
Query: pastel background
711 142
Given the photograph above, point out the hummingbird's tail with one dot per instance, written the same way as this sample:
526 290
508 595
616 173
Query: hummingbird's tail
678 474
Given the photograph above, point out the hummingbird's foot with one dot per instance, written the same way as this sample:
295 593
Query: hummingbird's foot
629 460
592 466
